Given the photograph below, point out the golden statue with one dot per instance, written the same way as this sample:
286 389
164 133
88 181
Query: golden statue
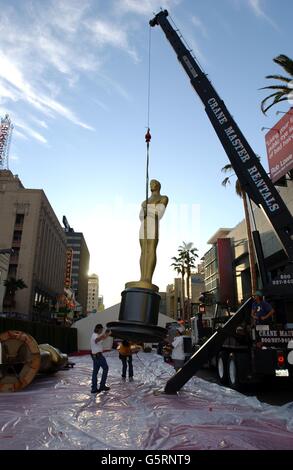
151 212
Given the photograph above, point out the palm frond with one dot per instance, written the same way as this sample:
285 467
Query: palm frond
277 87
278 98
226 181
280 77
227 167
285 62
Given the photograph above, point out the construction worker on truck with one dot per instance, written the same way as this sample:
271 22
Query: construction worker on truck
261 311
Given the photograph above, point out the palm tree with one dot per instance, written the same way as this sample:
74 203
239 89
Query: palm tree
188 254
179 267
12 285
240 192
183 265
283 90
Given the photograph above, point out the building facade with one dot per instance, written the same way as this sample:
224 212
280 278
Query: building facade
218 267
101 306
80 266
235 257
30 227
173 296
93 293
197 287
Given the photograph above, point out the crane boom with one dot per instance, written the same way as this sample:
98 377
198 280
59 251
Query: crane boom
252 176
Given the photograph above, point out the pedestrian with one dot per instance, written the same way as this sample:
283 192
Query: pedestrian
178 355
125 355
99 360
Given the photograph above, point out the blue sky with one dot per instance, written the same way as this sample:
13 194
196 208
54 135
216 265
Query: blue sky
74 80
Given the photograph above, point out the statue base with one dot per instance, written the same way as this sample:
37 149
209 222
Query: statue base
138 316
142 285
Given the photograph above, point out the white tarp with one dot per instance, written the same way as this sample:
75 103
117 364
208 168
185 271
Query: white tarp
59 412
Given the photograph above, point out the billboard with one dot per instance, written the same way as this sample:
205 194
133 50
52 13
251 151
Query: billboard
5 130
279 143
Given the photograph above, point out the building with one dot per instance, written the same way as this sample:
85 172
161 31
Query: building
273 253
80 264
173 296
227 270
219 277
101 306
30 227
93 293
197 287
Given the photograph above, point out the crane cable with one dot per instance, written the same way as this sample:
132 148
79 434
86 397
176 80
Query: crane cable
148 135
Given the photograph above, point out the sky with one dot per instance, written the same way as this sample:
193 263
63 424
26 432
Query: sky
82 80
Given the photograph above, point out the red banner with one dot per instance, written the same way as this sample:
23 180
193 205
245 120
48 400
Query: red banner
279 143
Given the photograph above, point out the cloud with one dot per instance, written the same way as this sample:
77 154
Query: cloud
18 88
44 49
19 134
108 34
199 24
258 11
145 7
36 135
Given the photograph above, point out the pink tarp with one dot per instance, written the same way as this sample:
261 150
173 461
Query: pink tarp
59 412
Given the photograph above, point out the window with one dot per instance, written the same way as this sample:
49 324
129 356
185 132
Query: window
12 270
17 235
19 219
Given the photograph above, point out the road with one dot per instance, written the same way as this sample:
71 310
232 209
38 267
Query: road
273 392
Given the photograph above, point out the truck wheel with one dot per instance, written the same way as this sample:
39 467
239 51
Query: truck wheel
222 360
232 372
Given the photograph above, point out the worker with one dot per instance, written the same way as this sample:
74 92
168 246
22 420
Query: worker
178 355
99 361
125 355
261 311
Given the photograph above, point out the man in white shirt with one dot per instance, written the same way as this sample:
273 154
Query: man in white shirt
178 350
98 359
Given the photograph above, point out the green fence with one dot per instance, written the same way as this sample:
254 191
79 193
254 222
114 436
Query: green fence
60 337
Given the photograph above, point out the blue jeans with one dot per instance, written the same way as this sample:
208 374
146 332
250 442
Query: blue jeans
99 361
124 365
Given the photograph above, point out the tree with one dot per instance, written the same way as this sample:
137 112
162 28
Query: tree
179 267
240 192
188 254
183 264
283 89
12 285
